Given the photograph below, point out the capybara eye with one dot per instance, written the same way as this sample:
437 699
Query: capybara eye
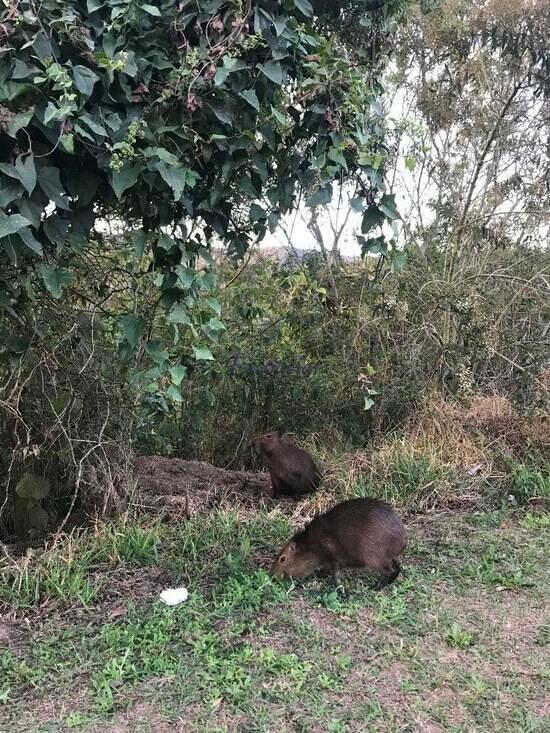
282 558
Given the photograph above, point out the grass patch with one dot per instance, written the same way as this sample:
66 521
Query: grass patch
529 483
250 653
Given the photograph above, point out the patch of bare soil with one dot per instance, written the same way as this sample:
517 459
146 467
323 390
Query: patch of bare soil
182 488
144 717
11 632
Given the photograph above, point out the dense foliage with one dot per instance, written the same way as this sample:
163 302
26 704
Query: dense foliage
345 374
136 135
177 117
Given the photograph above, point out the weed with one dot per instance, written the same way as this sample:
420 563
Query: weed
409 479
529 483
498 567
536 521
134 544
337 726
53 576
76 719
458 637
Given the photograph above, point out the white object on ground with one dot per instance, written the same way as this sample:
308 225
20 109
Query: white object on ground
173 596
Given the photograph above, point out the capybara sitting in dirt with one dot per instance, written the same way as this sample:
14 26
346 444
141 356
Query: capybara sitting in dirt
354 534
292 470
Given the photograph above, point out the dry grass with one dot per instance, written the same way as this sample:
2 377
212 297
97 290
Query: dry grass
442 457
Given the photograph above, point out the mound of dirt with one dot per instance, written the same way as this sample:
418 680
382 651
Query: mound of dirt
186 487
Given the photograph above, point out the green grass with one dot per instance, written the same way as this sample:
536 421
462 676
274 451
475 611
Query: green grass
529 482
408 480
246 652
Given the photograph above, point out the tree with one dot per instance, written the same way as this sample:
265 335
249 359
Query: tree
178 120
177 117
472 156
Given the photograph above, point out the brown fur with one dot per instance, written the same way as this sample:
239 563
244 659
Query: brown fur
292 470
354 534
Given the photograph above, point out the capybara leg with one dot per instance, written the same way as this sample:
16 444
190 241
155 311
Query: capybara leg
276 486
388 575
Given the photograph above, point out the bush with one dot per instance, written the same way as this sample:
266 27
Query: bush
380 346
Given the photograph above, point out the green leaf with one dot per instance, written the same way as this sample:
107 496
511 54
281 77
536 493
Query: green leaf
337 156
398 260
36 517
20 121
139 240
151 9
388 206
132 327
214 324
50 182
11 224
273 221
257 213
55 279
23 171
22 70
358 204
250 96
174 176
305 7
214 305
273 70
202 353
282 119
222 113
158 355
32 487
162 154
221 76
321 197
177 374
174 394
179 314
52 113
9 192
125 178
56 228
94 124
368 403
29 240
27 172
230 64
410 162
372 217
186 276
166 242
67 141
84 79
17 344
374 245
31 211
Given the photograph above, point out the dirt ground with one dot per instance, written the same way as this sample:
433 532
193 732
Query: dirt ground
186 487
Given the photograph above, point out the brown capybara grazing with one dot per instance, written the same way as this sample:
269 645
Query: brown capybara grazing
292 470
358 533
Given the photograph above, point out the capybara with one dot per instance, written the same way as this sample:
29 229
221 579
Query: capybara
292 470
354 534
